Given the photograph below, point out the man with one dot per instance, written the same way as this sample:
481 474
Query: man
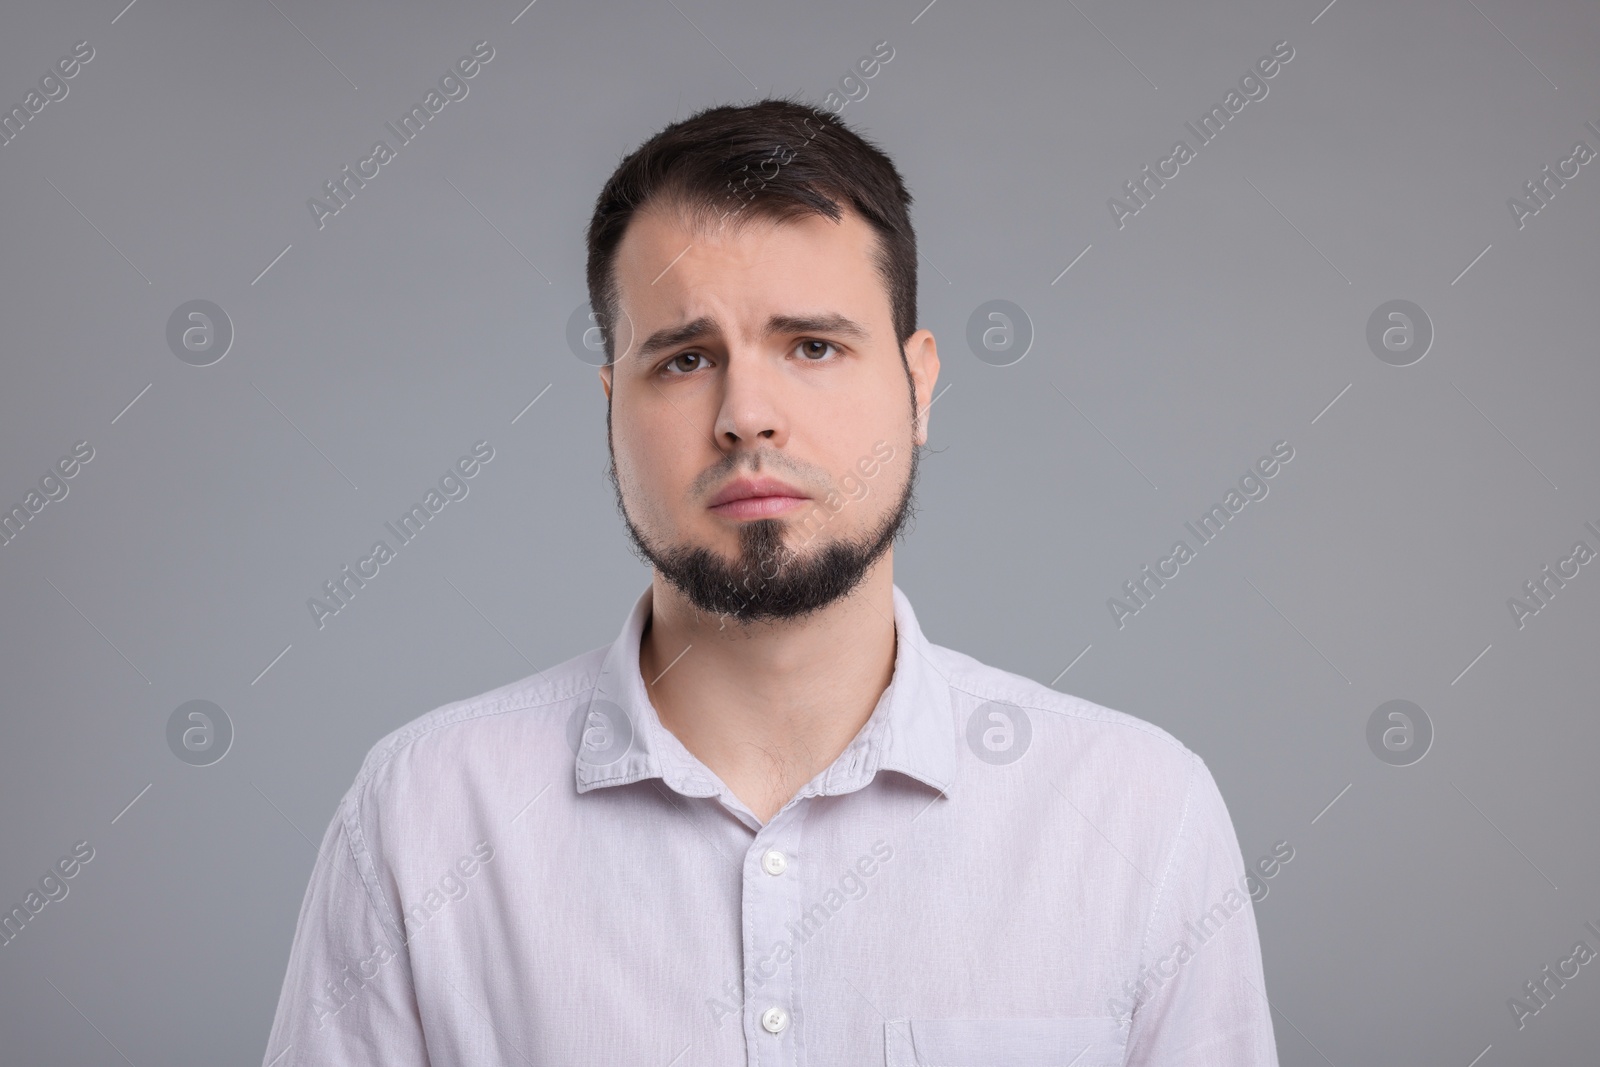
772 823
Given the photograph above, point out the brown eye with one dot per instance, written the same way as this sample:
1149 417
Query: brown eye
814 354
675 364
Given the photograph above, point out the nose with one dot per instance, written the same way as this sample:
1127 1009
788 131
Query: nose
751 413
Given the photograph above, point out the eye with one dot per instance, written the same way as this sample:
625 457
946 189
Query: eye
676 367
812 354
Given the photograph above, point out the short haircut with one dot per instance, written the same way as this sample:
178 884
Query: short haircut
776 159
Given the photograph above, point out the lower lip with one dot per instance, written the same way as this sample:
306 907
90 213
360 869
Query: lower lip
758 507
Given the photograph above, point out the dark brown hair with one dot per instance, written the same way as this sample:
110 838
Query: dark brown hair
776 159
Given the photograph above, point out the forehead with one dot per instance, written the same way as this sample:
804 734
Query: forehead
672 266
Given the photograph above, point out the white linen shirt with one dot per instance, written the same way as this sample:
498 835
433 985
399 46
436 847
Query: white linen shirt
991 873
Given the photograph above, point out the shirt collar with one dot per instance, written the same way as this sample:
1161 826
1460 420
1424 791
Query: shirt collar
618 738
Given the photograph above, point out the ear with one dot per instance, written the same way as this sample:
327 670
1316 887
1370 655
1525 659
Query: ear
605 380
922 357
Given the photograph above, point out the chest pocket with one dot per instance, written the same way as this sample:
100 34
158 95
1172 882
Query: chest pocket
1068 1041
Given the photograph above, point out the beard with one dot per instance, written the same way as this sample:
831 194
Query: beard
769 581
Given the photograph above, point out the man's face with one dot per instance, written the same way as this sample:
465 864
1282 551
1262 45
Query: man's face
763 352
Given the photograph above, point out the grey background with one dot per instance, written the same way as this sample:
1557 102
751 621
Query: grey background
1227 315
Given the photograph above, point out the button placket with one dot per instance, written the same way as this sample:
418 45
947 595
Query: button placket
773 888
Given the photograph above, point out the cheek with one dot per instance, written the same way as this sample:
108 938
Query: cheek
655 464
848 434
641 478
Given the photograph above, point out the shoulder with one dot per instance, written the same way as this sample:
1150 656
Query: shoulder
1098 754
456 742
974 683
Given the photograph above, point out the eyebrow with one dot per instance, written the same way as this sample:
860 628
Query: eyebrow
704 326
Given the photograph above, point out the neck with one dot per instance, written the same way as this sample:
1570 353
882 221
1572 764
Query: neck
768 705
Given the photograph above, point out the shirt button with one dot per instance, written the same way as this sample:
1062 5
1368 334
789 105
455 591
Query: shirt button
775 862
773 1020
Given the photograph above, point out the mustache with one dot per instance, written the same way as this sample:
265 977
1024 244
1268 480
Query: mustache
775 464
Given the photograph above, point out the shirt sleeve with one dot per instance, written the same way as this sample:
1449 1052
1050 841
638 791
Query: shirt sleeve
1201 998
347 998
